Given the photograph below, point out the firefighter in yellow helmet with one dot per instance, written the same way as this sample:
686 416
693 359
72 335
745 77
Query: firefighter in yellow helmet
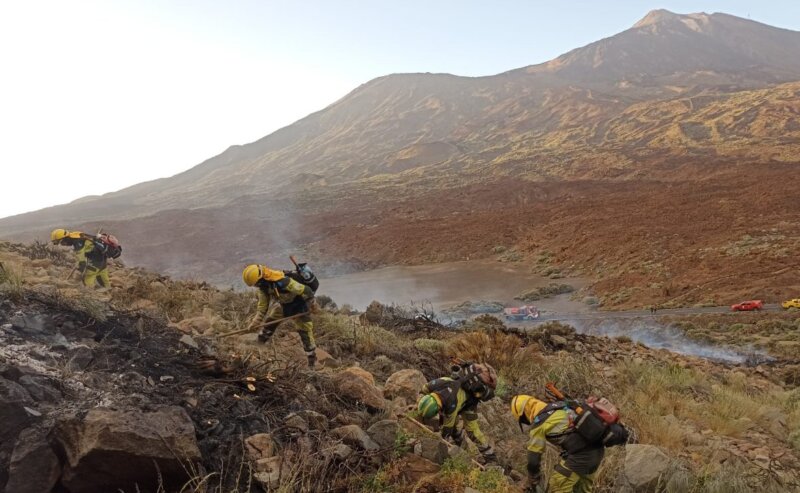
281 296
581 451
458 396
93 253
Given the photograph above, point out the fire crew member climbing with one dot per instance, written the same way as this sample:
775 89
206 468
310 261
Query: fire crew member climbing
459 395
93 254
282 296
581 430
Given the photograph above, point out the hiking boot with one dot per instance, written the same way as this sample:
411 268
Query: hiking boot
312 359
264 338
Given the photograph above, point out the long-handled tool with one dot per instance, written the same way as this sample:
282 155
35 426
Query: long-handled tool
433 434
261 326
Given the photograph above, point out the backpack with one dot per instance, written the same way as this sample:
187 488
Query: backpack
304 276
597 422
110 245
476 378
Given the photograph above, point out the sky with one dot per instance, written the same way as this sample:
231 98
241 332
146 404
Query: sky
98 95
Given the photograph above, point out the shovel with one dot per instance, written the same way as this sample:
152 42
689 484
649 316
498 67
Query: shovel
261 326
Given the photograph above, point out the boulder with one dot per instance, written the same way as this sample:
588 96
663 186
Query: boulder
354 436
413 468
358 385
404 383
296 422
384 432
128 450
316 421
34 467
259 446
643 467
40 388
325 360
270 471
774 420
32 323
13 419
80 358
195 324
338 452
434 450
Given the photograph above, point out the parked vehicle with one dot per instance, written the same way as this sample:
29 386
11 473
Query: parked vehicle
525 312
748 306
793 303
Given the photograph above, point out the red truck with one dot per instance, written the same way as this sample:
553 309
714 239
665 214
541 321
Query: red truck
526 312
748 306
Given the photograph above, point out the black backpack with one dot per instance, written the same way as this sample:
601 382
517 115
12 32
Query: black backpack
589 425
304 276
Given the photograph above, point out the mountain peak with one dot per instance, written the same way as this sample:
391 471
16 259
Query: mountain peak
662 16
656 17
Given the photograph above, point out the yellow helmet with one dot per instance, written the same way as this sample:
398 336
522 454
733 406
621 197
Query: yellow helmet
58 235
254 272
525 407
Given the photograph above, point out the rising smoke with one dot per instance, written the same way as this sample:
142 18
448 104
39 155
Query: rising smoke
658 336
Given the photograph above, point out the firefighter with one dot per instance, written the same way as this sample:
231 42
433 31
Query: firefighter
459 396
282 296
580 457
93 253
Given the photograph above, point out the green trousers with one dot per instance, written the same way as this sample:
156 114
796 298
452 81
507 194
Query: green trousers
305 327
565 481
92 276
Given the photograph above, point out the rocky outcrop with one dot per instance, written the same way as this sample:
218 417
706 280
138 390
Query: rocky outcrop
357 384
404 383
108 449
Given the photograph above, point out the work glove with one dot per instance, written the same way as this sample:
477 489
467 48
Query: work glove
81 266
313 306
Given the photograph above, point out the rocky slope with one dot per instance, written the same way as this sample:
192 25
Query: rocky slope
677 102
130 390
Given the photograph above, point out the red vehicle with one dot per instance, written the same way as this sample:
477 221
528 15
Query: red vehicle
748 306
526 312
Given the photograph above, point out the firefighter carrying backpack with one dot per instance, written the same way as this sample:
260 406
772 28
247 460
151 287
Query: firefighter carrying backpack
597 420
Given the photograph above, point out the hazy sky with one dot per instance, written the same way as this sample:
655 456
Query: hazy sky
97 95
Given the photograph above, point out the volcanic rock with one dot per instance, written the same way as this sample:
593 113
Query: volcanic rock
384 432
643 467
359 385
109 449
34 467
404 383
354 436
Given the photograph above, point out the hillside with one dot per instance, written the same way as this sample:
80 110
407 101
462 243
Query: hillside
94 386
677 102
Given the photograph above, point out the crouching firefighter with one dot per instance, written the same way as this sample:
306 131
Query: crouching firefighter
93 253
283 294
458 396
581 429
